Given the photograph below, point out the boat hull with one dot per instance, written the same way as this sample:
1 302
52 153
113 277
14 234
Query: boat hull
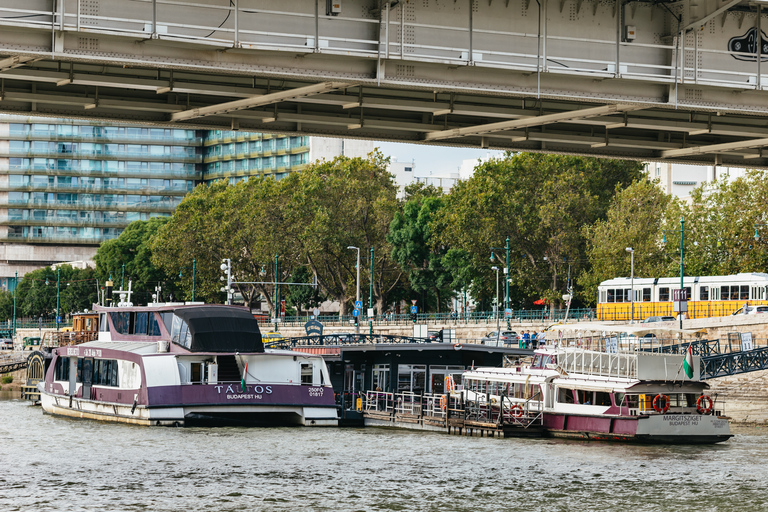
648 429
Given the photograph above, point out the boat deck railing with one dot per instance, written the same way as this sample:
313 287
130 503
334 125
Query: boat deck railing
606 364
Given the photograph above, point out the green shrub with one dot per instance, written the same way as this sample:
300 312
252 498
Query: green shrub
7 379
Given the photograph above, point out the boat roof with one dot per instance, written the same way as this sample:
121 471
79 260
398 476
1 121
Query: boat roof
640 329
136 347
218 328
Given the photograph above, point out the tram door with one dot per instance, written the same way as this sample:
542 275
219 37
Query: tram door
87 377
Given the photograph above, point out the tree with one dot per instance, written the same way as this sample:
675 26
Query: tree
132 249
36 291
243 223
302 297
541 202
410 235
337 204
636 218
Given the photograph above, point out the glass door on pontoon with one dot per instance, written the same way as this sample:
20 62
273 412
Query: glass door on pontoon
411 378
380 377
438 375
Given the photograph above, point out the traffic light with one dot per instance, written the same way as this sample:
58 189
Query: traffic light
413 317
356 321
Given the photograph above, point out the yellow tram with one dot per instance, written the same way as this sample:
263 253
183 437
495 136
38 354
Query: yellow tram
707 295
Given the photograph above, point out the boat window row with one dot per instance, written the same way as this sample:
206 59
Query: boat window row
135 322
104 372
584 397
644 402
508 389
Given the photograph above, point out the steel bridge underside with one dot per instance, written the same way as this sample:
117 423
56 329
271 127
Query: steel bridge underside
648 80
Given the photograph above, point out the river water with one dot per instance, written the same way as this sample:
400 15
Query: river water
50 463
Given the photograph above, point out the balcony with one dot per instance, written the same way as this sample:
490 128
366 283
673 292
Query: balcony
57 240
7 220
103 155
141 173
153 207
100 189
103 139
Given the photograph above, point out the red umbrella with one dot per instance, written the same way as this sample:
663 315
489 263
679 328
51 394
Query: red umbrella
539 302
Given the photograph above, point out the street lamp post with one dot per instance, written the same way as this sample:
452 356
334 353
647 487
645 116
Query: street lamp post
370 298
357 293
682 237
497 304
631 252
58 295
15 286
506 272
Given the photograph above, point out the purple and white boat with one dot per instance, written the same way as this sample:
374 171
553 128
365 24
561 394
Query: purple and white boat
576 393
185 365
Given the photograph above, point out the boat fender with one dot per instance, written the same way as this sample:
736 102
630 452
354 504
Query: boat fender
443 402
517 411
661 403
704 404
135 403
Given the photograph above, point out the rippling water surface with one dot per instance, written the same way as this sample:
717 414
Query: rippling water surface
51 463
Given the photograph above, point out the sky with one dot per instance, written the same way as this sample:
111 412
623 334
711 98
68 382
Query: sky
432 159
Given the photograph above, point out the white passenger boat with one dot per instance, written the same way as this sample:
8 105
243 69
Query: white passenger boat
186 365
639 397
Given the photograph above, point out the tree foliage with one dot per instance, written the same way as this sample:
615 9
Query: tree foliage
37 290
133 249
541 202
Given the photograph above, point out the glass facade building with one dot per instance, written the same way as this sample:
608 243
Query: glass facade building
234 155
83 184
67 186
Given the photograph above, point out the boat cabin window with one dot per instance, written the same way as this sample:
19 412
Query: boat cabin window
105 372
103 326
135 322
565 396
602 398
584 397
167 320
180 333
537 361
306 373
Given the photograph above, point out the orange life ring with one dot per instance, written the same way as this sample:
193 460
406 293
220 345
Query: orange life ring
657 406
443 402
450 384
516 411
704 409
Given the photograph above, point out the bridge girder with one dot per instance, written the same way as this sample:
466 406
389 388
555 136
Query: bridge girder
436 73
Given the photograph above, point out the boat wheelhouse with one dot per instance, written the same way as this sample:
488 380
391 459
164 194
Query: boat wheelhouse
640 397
185 365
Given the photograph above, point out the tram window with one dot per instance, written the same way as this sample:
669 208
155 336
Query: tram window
734 292
602 296
688 293
565 396
724 294
611 295
646 295
704 293
663 294
602 398
744 292
628 295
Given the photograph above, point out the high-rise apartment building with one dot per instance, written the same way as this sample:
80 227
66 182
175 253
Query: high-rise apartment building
67 186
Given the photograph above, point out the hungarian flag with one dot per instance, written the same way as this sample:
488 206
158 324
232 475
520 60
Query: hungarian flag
688 363
245 372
